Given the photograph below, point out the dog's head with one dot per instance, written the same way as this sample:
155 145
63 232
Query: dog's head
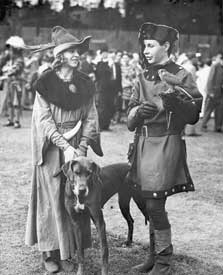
81 173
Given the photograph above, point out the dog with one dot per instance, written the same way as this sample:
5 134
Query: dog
83 193
114 181
90 187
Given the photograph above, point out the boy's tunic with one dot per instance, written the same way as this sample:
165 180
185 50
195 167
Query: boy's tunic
161 152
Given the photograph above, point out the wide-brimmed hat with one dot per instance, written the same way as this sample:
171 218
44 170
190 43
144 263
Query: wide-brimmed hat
62 40
161 33
16 42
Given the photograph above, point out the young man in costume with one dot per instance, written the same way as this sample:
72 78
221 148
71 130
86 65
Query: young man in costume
64 102
164 100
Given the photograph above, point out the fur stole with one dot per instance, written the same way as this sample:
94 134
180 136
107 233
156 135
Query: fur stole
66 95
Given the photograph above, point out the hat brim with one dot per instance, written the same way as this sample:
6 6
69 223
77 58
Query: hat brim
82 44
16 47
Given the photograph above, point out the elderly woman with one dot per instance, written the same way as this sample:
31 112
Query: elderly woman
164 100
64 123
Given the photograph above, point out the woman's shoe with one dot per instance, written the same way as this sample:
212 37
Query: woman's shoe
49 264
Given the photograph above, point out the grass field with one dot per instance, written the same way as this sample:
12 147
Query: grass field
196 218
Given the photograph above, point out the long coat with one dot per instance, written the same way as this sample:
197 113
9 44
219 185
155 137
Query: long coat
48 224
108 89
161 166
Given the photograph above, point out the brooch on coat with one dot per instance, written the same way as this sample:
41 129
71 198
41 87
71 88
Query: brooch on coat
72 88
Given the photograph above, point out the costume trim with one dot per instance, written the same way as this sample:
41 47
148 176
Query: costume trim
151 72
187 187
68 96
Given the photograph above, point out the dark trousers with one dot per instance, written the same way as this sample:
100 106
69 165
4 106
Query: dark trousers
105 108
218 115
157 213
216 105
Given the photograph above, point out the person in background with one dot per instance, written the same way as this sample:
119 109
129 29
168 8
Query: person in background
108 84
158 113
88 66
189 64
214 99
217 58
118 56
202 77
128 74
32 64
64 124
4 58
98 55
103 76
13 80
116 84
46 60
135 63
136 66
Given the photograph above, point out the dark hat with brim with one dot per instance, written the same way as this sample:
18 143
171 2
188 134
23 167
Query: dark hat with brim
62 40
161 33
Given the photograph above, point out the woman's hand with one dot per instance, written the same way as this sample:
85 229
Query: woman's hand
81 151
70 153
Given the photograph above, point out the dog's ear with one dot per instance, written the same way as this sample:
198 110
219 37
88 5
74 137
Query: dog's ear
96 170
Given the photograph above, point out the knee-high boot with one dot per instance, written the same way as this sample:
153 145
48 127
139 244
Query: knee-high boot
164 252
150 261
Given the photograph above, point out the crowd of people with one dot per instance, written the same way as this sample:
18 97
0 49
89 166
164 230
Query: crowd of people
114 73
208 74
154 92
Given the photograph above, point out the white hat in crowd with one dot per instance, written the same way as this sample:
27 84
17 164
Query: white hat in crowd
16 42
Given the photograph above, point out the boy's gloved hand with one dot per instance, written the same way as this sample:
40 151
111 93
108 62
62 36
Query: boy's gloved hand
147 110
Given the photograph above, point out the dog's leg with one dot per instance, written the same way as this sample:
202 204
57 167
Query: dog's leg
124 205
79 244
141 203
98 219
